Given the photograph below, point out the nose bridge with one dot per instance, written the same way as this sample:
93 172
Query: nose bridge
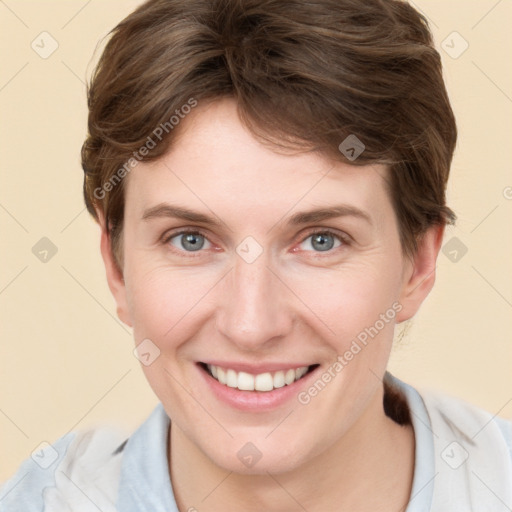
252 309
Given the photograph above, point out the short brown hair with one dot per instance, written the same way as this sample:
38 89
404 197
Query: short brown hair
304 74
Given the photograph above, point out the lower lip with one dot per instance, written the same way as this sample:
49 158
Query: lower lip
255 401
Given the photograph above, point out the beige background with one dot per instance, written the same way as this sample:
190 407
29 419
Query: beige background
66 362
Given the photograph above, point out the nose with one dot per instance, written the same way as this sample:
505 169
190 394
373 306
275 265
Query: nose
253 308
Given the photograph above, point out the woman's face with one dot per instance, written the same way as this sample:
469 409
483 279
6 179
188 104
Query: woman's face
262 286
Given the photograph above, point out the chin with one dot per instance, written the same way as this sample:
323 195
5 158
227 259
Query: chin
258 457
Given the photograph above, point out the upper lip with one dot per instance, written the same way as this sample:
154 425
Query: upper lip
257 368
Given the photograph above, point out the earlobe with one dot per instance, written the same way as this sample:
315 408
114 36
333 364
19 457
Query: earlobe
114 275
420 273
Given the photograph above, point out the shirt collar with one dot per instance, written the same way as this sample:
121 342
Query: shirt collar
424 458
145 484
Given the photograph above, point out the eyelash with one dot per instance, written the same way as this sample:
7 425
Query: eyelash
343 238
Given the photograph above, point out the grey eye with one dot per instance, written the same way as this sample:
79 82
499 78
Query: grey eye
322 242
189 241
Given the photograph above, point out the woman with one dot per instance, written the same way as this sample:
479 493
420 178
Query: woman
269 178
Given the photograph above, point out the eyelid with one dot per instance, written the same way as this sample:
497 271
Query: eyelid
344 237
182 231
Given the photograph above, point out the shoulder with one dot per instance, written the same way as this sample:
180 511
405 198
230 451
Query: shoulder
464 420
473 455
463 453
78 471
454 417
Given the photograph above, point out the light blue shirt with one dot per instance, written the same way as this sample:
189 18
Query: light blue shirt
144 483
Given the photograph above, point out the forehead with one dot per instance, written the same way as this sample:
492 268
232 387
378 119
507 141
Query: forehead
215 164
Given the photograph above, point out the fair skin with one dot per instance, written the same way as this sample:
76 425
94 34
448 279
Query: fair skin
295 303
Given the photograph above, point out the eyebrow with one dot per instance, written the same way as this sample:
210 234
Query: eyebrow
165 210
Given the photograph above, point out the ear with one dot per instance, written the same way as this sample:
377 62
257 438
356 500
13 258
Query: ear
420 273
114 274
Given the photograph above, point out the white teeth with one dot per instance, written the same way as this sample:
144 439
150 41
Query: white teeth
264 382
221 375
245 381
261 382
231 379
289 377
279 379
301 372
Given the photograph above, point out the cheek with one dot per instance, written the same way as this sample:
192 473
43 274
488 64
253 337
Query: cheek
163 301
349 300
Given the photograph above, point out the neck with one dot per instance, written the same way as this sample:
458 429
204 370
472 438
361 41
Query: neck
370 468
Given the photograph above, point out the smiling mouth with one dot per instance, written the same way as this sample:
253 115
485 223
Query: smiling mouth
263 382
